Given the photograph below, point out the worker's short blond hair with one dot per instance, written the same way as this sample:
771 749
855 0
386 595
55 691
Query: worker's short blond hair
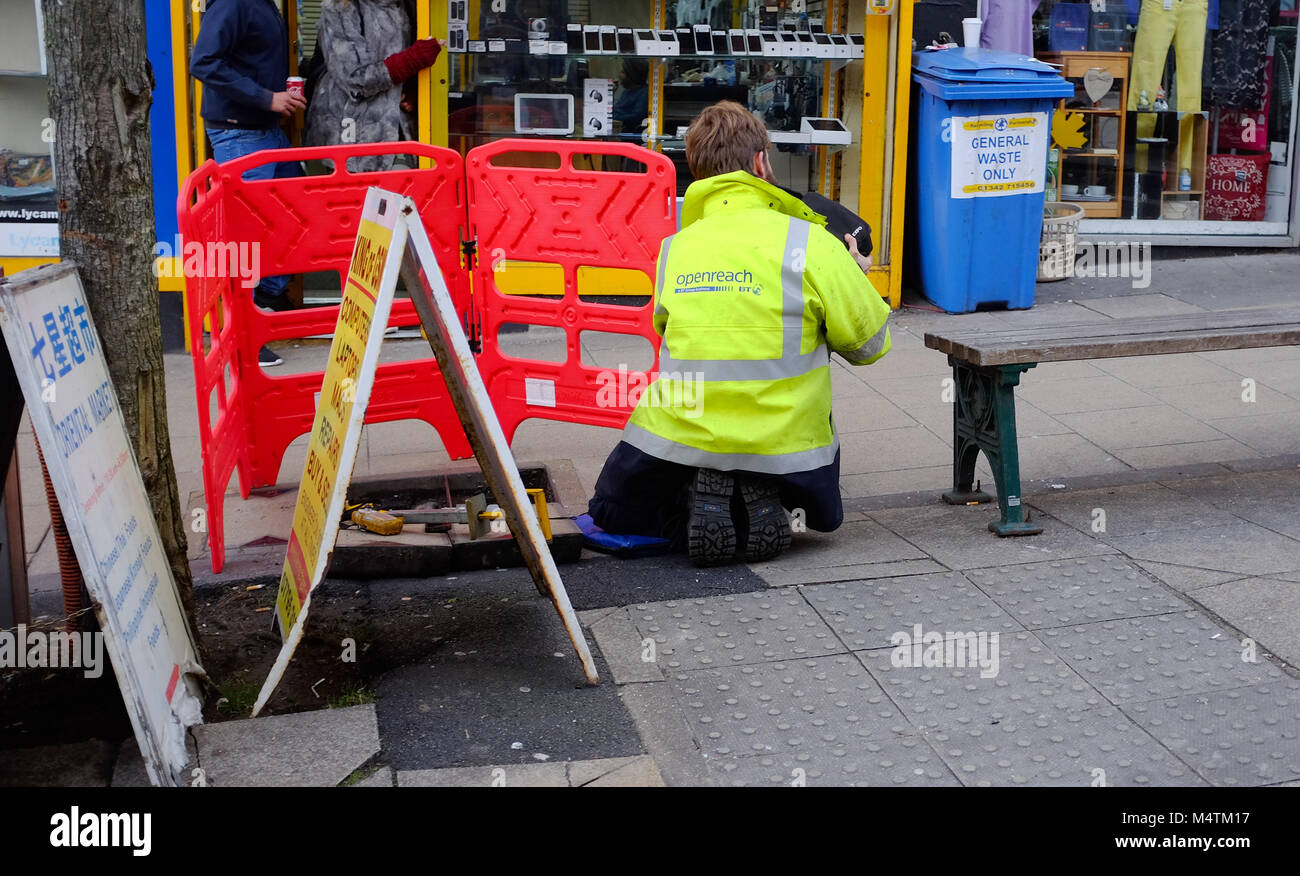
724 138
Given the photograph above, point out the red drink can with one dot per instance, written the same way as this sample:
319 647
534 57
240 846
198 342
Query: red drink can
296 85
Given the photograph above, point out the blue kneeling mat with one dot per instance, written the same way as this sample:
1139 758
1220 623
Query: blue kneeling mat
626 546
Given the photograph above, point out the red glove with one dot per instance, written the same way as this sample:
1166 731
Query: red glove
406 63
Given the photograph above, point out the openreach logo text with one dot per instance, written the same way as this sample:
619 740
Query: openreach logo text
933 649
107 830
1114 260
22 648
658 389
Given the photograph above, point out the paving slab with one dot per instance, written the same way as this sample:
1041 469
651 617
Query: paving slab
1243 737
958 537
1186 578
1268 433
818 721
1246 548
1026 681
890 449
1173 369
520 775
868 614
829 556
814 705
1032 421
1192 452
1140 426
1062 456
854 572
929 480
869 414
1061 592
1128 510
731 630
1081 749
615 772
1225 398
1153 658
908 761
624 649
304 749
666 734
1101 393
1134 306
1266 609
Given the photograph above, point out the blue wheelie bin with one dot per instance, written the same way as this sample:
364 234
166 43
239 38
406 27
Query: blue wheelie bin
983 130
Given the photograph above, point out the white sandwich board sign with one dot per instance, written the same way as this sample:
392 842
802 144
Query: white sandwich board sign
59 361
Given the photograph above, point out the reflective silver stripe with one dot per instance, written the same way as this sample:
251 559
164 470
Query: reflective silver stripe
744 369
660 310
792 363
776 464
871 347
792 267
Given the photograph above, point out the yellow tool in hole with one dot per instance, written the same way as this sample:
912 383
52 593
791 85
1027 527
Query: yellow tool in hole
475 512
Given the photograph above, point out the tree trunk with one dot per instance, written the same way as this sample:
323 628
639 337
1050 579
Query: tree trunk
101 88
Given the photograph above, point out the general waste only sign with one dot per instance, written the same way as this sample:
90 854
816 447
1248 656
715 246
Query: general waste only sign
994 156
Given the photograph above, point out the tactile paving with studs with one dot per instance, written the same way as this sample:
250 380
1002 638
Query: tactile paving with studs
1152 658
813 721
908 761
732 630
866 614
1099 747
1246 736
1028 680
1060 592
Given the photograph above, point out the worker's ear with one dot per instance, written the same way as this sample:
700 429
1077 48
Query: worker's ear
763 167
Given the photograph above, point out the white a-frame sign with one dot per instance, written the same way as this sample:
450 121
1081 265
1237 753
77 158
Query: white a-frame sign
60 365
391 242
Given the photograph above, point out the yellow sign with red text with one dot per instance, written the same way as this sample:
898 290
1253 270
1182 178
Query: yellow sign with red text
340 412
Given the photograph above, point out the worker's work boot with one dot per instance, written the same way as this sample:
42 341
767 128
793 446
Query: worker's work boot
766 524
710 532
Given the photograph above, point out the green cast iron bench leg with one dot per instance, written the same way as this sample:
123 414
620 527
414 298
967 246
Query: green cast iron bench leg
984 418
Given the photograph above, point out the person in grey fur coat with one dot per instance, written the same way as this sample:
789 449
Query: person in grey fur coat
368 52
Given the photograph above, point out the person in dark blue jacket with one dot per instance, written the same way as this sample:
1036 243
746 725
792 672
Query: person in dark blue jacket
242 59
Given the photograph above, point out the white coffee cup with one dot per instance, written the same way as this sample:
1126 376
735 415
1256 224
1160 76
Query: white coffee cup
1094 191
1070 189
970 28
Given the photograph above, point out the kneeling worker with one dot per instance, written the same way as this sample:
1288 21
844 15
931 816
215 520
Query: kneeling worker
752 296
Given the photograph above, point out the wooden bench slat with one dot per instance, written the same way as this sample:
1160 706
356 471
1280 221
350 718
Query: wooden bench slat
1188 333
1140 345
1112 328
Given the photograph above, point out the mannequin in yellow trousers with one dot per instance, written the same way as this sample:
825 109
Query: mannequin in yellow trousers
1161 22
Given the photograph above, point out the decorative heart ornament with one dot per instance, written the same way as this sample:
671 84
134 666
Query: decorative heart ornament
1097 83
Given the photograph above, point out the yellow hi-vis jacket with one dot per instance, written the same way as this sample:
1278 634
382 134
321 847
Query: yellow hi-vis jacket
750 294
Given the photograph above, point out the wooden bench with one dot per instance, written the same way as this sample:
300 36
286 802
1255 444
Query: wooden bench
986 367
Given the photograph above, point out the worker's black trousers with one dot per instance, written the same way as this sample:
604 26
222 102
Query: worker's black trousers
640 494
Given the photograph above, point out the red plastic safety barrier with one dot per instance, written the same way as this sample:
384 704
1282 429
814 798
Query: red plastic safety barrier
566 216
575 218
298 225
